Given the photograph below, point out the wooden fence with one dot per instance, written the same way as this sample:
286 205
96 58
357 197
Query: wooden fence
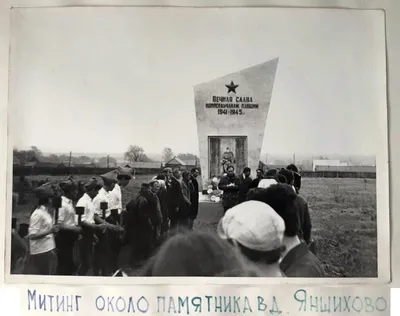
61 171
337 174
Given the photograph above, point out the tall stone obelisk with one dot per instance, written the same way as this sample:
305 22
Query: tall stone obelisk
231 113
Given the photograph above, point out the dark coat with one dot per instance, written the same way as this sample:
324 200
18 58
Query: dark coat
194 198
303 215
231 193
175 199
141 220
187 191
245 184
255 182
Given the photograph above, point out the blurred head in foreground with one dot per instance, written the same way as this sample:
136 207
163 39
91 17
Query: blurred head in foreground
200 254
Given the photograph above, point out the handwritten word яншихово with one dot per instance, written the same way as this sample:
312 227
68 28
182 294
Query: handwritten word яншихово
53 303
339 304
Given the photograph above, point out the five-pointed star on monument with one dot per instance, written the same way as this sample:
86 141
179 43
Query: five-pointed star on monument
232 87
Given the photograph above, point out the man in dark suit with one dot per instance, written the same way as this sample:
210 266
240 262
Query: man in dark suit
245 184
175 200
194 197
230 185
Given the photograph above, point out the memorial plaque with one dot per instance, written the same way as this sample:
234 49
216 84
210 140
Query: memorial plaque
231 113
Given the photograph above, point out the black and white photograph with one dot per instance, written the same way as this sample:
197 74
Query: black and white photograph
208 142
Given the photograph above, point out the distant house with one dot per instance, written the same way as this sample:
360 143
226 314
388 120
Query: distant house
358 169
177 163
191 163
43 162
327 162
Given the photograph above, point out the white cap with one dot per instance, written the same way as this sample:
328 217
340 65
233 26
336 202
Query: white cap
266 183
254 225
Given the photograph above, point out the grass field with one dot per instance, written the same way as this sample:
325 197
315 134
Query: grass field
343 214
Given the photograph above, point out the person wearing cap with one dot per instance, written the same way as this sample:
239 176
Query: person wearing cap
297 260
42 247
103 262
230 185
69 231
245 183
259 236
124 176
259 177
88 224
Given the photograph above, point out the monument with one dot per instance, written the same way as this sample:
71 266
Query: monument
231 113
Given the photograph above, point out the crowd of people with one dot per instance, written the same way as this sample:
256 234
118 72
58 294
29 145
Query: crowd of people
84 229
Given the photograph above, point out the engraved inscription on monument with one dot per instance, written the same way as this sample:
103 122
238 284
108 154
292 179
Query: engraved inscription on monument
231 114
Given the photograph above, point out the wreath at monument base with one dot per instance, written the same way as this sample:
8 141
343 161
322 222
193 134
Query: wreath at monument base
213 192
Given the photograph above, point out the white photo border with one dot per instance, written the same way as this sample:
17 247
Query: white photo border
383 223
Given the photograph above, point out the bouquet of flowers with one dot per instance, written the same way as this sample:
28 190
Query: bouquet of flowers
213 192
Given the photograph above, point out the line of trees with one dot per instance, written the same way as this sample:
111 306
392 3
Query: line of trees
134 153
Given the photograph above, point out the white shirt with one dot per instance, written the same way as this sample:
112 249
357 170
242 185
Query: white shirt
66 213
116 199
102 196
40 222
87 202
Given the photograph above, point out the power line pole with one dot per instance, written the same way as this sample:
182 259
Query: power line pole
108 161
70 157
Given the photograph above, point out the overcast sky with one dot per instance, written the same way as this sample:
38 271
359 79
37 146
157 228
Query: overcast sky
99 79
